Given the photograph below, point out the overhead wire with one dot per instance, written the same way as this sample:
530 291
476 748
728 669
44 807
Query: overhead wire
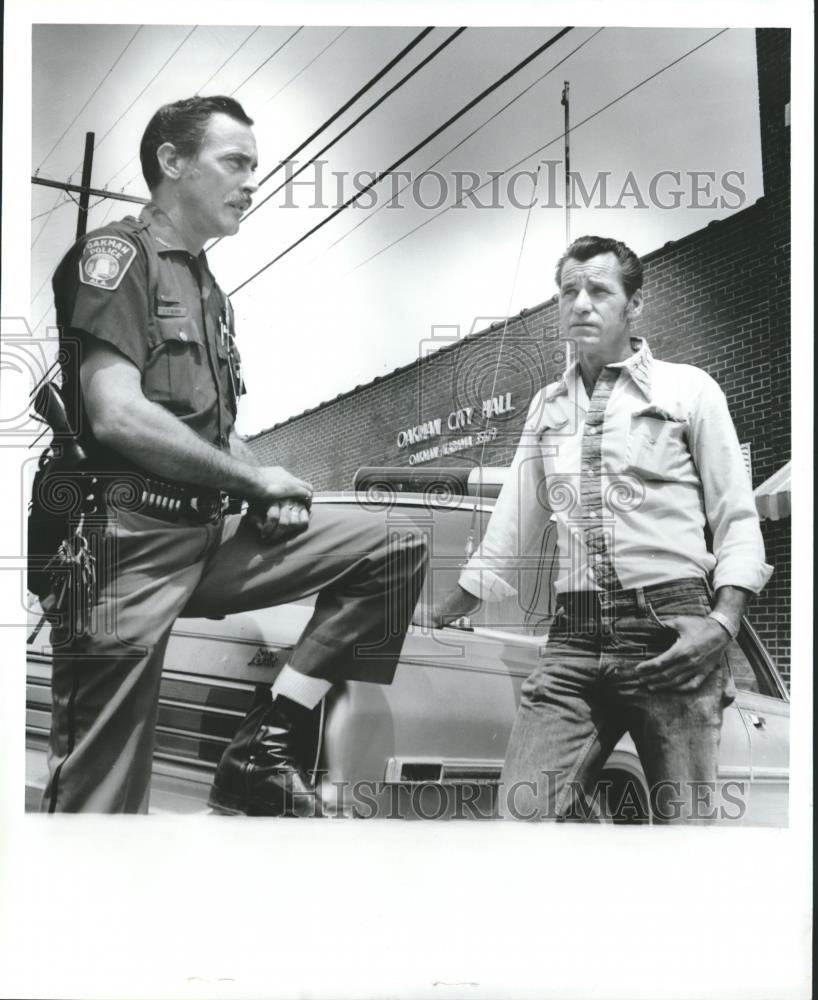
364 114
227 60
39 291
264 63
348 104
540 149
57 203
370 215
39 215
68 200
303 69
100 141
94 92
416 148
104 218
39 322
324 125
212 76
508 309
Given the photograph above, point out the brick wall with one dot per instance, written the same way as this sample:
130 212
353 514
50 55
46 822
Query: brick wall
718 299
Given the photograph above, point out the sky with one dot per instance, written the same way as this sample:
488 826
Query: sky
344 306
311 326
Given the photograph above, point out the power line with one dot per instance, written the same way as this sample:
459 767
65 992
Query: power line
38 324
263 64
104 217
418 146
48 216
539 150
93 94
69 199
348 104
333 117
465 139
227 60
304 68
40 215
142 91
37 294
198 90
354 123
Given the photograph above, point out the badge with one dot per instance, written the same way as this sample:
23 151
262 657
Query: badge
104 261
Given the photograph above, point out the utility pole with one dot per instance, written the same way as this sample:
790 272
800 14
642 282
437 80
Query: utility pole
98 192
88 159
565 102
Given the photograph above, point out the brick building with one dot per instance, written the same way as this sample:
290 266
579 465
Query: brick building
718 298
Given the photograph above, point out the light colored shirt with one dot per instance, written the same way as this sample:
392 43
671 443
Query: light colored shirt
669 460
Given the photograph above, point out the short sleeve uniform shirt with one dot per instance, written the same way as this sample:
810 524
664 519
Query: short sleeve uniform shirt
134 286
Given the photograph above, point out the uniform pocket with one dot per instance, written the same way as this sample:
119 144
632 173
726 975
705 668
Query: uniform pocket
176 371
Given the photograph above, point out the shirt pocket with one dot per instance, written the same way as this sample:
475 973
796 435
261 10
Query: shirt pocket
560 485
551 438
658 445
177 371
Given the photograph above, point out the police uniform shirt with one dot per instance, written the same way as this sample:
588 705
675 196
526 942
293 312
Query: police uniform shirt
134 286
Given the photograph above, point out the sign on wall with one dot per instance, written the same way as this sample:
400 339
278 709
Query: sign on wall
461 419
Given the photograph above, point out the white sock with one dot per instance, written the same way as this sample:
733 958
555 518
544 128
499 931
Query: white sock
301 688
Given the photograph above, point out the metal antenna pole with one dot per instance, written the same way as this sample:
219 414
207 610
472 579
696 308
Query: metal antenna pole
565 103
82 216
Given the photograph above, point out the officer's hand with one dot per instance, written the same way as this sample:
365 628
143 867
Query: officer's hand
280 520
458 603
692 657
275 483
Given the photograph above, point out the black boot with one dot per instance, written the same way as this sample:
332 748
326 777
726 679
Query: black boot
263 771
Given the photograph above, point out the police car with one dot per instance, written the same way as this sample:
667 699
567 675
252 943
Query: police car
431 744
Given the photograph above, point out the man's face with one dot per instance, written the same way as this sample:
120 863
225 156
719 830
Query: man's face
217 183
594 309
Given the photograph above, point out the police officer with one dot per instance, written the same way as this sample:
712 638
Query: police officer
159 378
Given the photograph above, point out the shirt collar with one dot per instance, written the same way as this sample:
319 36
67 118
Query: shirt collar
639 366
162 230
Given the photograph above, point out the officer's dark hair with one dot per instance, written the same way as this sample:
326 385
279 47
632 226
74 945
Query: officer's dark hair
184 123
585 247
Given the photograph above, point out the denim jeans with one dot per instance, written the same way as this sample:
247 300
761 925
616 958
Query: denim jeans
586 695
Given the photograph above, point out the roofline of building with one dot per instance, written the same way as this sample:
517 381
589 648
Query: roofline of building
645 258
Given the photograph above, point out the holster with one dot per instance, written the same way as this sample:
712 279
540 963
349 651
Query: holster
62 495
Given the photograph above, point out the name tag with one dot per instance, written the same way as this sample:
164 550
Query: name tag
171 310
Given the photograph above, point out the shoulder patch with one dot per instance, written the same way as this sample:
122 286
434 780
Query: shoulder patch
104 261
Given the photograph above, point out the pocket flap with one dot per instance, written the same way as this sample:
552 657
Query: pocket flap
177 329
659 414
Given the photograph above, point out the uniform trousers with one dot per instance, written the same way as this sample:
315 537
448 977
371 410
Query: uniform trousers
105 685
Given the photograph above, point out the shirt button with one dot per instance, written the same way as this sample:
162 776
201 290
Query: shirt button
182 335
591 430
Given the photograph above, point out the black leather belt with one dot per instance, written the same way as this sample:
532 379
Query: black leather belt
173 502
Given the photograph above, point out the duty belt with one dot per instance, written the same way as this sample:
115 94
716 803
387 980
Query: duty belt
174 502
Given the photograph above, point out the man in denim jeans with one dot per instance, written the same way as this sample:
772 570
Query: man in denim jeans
633 458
